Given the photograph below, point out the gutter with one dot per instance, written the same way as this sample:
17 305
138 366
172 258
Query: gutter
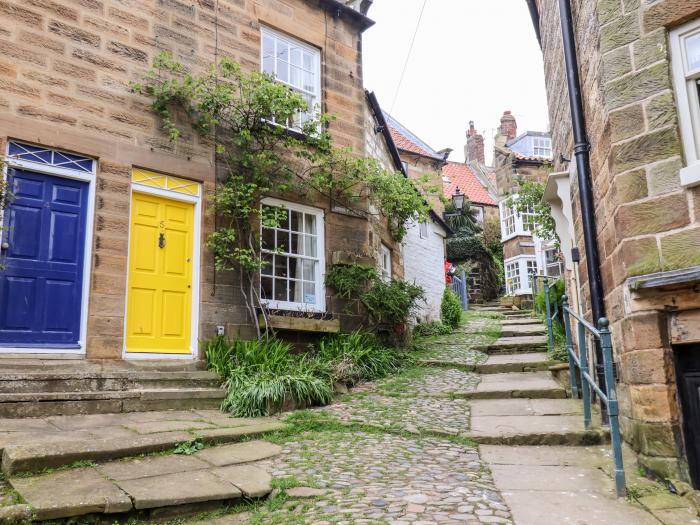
340 10
394 152
582 150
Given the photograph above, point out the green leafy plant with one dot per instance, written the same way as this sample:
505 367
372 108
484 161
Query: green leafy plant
391 303
530 197
349 281
218 354
450 309
431 328
356 357
557 289
187 448
238 111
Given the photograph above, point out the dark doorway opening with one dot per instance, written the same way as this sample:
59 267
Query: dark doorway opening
687 358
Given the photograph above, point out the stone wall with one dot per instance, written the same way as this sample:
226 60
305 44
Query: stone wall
646 222
65 71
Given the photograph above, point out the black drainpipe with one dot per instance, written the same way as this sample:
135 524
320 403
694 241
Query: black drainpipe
583 167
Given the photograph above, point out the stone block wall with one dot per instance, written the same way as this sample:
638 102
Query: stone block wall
646 222
65 73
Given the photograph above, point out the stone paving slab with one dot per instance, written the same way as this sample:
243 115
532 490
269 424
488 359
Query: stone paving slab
253 481
516 385
502 363
562 483
238 453
521 321
526 407
518 330
225 435
547 430
178 489
154 427
151 466
71 493
31 458
507 345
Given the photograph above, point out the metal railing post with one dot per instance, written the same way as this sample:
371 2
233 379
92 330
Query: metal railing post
534 293
548 313
613 409
585 390
466 290
570 348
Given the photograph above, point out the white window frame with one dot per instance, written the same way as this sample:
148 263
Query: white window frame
315 95
542 147
520 262
424 230
320 305
510 217
479 214
385 262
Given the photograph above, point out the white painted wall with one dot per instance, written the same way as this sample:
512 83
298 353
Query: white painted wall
424 265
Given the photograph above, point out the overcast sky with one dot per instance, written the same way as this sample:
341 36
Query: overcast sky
471 60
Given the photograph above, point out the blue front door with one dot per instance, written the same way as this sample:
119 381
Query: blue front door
41 262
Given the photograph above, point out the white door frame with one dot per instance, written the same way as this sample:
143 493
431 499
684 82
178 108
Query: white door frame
90 178
196 247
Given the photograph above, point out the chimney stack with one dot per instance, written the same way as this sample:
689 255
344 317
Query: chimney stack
508 127
474 149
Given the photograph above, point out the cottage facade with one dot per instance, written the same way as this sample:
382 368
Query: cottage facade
638 68
103 252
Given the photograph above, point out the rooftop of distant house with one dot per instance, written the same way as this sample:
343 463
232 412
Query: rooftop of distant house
461 176
531 145
407 141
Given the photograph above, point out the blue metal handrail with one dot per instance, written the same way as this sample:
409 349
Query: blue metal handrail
580 361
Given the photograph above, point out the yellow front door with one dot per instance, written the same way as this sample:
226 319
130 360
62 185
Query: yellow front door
159 300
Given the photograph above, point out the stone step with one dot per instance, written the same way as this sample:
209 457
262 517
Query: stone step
532 422
41 404
502 363
153 486
130 439
117 380
527 385
87 366
521 320
518 330
510 345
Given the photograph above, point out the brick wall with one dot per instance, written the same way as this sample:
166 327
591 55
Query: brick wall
646 222
65 71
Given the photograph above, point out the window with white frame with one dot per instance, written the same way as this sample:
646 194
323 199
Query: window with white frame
385 262
292 246
478 212
553 262
296 65
507 220
541 146
685 65
512 277
423 230
528 218
519 272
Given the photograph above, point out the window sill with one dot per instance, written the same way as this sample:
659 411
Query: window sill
302 324
690 175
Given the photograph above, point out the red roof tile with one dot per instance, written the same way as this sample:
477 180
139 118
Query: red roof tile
461 175
404 143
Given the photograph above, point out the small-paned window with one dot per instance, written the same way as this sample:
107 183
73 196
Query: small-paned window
541 146
385 262
296 65
508 220
512 277
685 66
292 247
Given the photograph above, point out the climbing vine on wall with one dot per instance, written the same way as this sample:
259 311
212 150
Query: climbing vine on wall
265 148
531 197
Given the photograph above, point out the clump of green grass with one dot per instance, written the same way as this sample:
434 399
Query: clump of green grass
431 328
266 376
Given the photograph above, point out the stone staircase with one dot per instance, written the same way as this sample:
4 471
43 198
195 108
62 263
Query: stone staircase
109 468
518 401
37 388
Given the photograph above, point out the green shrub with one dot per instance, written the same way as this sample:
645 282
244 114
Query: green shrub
219 356
431 328
450 309
556 292
349 281
392 302
355 357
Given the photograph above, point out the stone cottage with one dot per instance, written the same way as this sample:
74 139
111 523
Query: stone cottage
517 158
639 65
423 248
103 250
